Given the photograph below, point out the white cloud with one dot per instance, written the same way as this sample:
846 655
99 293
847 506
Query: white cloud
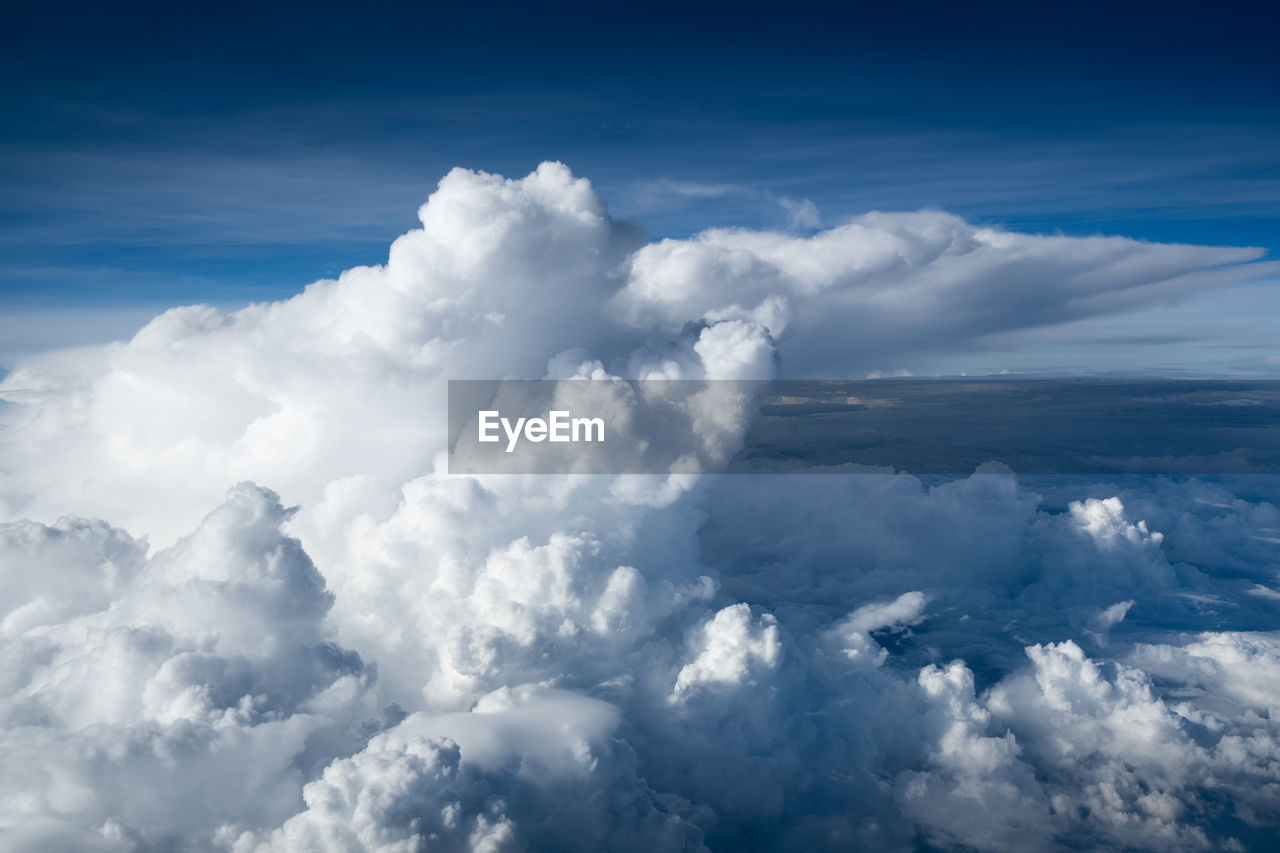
731 647
411 659
890 284
801 213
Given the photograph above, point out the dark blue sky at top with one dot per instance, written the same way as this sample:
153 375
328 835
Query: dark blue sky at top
160 153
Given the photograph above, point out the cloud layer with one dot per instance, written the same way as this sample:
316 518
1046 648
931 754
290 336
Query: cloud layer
294 632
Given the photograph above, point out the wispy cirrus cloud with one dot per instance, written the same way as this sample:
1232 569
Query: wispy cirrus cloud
800 213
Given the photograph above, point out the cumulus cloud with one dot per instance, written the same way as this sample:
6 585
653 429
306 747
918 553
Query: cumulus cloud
729 648
182 689
531 752
245 609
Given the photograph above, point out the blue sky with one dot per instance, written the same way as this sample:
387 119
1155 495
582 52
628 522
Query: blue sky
154 155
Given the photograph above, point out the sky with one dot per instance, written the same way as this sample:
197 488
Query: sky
245 607
153 155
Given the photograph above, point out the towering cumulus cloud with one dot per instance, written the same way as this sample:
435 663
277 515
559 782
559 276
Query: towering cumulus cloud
244 609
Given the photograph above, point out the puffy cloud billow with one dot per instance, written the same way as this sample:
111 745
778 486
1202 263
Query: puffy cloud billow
244 608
